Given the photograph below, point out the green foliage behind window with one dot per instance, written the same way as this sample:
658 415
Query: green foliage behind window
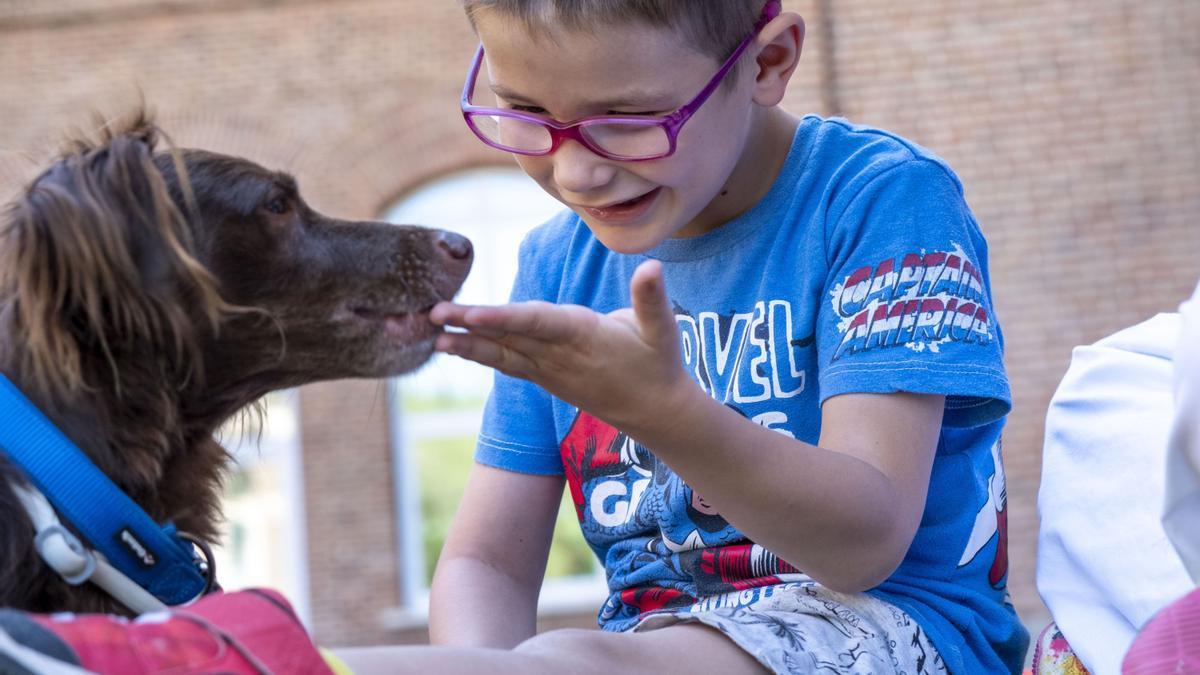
444 463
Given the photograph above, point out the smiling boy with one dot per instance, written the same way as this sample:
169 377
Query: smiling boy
760 349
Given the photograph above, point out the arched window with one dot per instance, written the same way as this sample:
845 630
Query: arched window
438 410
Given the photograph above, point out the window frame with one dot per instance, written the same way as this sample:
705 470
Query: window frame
560 596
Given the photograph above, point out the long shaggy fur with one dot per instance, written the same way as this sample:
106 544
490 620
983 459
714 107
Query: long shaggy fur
146 297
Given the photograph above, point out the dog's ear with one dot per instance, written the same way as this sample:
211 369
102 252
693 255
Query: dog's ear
138 125
95 257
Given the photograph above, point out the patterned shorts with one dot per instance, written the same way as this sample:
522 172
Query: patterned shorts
807 628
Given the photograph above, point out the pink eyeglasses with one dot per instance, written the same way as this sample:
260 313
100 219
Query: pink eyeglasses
618 137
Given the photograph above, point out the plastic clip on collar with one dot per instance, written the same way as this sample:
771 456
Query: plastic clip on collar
65 554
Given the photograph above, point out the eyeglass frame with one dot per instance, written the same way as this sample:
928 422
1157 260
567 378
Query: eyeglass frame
671 123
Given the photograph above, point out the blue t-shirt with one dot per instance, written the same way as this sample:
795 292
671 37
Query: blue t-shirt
861 271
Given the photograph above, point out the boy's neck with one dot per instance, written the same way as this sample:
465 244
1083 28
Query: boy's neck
766 150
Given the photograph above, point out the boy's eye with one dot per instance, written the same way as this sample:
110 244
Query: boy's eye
530 109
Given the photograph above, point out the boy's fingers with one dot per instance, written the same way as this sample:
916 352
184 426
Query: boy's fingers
448 314
538 320
650 304
531 348
485 352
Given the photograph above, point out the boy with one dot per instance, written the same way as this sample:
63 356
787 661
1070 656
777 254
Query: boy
810 371
761 349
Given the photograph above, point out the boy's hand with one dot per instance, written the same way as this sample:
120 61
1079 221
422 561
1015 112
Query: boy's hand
623 367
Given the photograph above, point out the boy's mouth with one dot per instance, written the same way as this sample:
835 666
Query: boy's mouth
625 210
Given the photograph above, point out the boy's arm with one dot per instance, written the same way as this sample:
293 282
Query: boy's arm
844 511
485 588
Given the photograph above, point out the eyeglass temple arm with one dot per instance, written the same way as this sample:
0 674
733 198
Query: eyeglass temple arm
770 11
473 74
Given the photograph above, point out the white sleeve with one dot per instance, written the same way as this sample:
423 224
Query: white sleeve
1181 516
1105 565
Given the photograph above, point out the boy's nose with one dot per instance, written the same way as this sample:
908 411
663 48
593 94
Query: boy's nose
578 170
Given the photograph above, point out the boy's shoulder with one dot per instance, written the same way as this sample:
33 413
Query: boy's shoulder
554 238
562 225
860 152
546 249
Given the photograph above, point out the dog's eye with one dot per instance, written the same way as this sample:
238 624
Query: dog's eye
278 206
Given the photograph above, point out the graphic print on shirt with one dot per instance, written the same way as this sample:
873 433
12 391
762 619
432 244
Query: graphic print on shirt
917 300
992 521
607 462
744 359
622 495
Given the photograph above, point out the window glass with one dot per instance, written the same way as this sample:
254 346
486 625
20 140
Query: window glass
262 540
441 405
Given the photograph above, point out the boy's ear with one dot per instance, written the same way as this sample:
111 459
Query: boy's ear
780 44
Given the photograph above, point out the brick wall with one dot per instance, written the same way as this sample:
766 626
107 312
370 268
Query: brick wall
1073 125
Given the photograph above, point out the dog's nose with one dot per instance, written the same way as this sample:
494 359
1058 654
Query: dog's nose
454 245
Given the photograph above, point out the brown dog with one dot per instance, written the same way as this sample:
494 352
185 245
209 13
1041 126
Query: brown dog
146 297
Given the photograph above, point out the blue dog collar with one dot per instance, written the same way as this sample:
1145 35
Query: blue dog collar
156 558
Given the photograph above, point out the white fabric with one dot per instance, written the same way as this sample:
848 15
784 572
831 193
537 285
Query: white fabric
1105 565
1181 518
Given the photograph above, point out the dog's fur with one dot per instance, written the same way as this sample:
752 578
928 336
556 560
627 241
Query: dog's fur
147 296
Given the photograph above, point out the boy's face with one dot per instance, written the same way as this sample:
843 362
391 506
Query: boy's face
627 69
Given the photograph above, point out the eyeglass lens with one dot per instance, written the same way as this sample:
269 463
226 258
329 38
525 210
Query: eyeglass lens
619 140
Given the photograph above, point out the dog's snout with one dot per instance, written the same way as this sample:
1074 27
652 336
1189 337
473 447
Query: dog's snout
454 245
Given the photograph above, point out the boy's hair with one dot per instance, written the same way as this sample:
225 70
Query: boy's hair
712 27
